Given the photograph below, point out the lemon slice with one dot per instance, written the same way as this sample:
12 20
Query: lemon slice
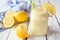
20 16
21 31
49 7
10 13
8 21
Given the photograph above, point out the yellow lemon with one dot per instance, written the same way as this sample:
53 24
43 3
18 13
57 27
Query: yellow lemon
49 7
10 13
20 16
21 31
8 21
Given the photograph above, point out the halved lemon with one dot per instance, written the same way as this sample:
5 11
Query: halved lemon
21 31
50 7
21 16
9 13
8 21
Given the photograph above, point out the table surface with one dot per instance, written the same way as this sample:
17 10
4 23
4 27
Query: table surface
54 28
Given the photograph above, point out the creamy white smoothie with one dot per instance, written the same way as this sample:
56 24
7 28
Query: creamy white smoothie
39 21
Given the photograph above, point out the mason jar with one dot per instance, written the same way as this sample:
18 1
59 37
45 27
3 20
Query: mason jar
38 21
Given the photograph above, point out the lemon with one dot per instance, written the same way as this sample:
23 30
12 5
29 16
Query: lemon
9 13
20 16
21 31
49 7
8 21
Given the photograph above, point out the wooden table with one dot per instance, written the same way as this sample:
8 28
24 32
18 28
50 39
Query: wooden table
54 28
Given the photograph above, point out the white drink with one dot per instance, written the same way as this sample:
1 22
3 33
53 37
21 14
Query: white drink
39 21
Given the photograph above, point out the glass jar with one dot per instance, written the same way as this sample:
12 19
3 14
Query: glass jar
38 21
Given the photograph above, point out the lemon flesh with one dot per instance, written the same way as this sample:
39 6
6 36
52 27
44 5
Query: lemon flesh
8 21
49 7
10 13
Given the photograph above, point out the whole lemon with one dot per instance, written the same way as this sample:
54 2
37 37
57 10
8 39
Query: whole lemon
21 16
